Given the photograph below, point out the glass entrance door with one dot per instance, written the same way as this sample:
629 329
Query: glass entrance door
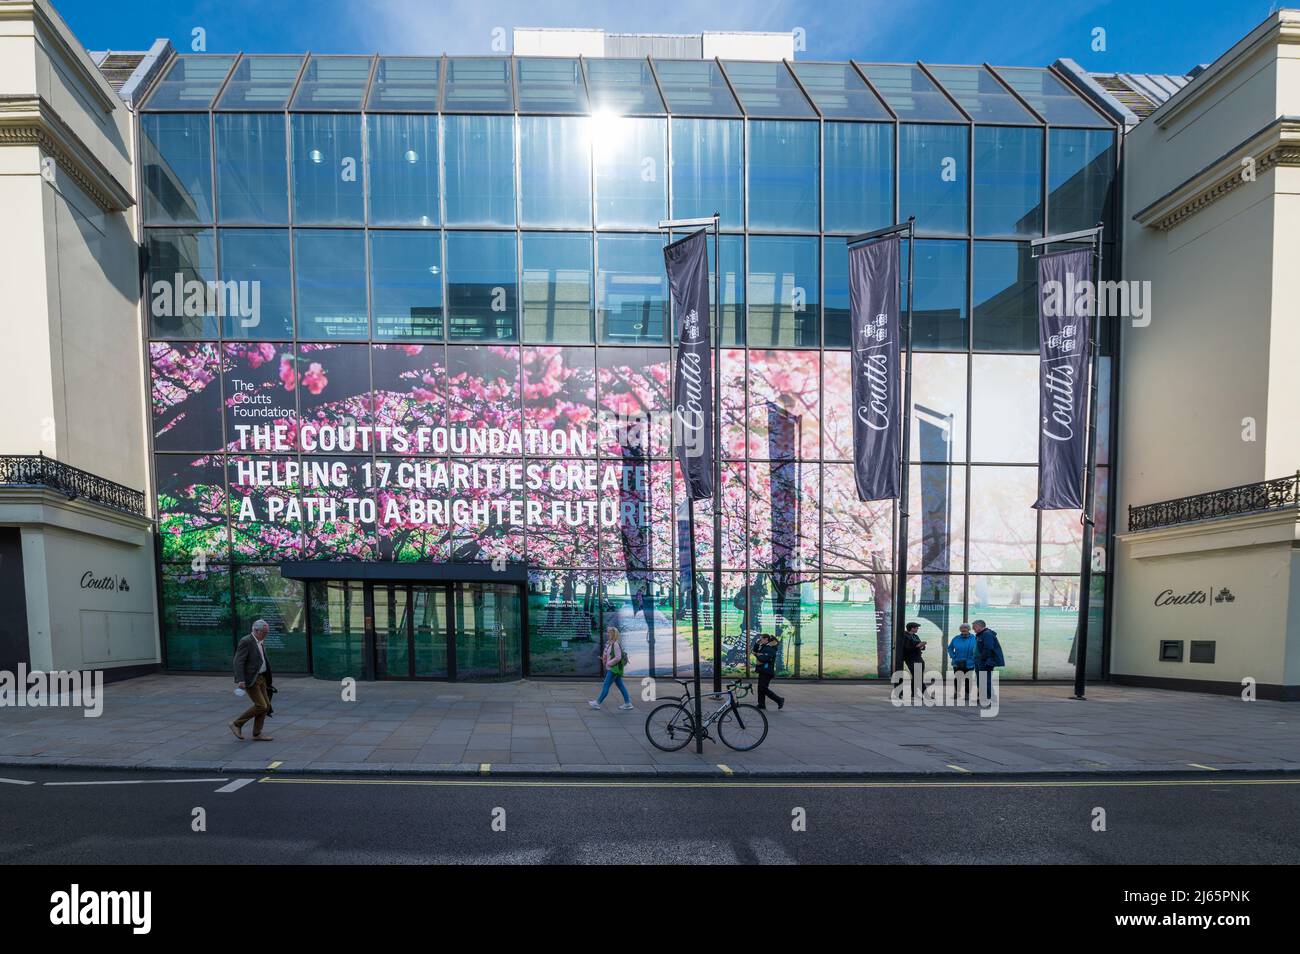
411 628
488 630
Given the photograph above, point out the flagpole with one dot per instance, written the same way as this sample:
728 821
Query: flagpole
900 567
717 465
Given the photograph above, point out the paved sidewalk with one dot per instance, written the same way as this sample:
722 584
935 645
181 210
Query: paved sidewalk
541 727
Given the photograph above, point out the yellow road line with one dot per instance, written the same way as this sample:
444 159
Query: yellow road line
685 783
484 767
275 765
1208 768
958 768
725 770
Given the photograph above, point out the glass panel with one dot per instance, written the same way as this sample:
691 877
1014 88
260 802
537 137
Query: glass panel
909 92
181 263
410 387
555 171
406 285
640 493
493 400
784 310
176 155
252 169
191 507
784 405
432 624
633 388
477 85
1006 604
938 407
935 600
337 628
1005 297
731 261
550 85
938 295
479 159
839 91
835 294
858 182
856 632
196 623
622 87
783 175
392 644
401 538
557 288
981 95
709 170
640 605
185 396
327 169
330 267
263 524
631 161
261 593
403 83
1008 181
332 82
631 289
932 178
1004 408
767 89
403 168
1081 177
258 381
261 83
488 629
259 258
563 623
482 286
559 388
190 83
695 88
1050 98
1003 523
1062 544
936 529
1058 625
788 610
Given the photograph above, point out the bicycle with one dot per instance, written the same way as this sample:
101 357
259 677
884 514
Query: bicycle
741 726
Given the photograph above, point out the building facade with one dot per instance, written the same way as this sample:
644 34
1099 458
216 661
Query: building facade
472 245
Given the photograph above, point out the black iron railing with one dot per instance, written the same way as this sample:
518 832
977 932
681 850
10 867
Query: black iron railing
1265 495
26 470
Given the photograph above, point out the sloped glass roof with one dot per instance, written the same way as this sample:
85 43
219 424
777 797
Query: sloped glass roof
910 93
695 88
405 84
767 89
838 91
478 85
550 85
333 82
623 87
191 82
980 94
261 82
1050 98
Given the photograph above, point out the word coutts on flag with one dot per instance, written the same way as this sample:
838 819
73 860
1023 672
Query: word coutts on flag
687 261
873 300
1065 306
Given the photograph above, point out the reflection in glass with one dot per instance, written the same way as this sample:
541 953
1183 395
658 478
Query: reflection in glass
176 168
938 407
695 88
631 289
327 169
1005 297
839 91
1008 181
622 87
932 170
332 83
554 171
856 632
1004 408
479 169
262 593
708 170
550 85
1003 523
1006 604
190 254
938 295
190 83
478 84
259 256
261 82
783 175
784 310
859 176
403 169
406 285
482 289
330 266
1080 178
909 92
936 527
196 624
630 161
252 174
488 622
404 83
766 88
337 628
557 288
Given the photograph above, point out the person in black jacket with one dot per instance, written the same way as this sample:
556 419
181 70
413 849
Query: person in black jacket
766 648
913 660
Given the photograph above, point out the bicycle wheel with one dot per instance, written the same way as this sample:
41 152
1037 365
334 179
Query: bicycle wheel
670 726
743 727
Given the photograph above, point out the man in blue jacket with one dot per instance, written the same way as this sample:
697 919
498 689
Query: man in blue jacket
989 653
962 652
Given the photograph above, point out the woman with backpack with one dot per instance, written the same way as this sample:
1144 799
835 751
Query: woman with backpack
615 658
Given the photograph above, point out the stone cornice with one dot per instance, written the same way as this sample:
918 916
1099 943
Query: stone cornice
43 507
92 80
1281 525
30 121
1277 144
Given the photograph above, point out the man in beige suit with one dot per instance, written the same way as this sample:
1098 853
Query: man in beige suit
253 675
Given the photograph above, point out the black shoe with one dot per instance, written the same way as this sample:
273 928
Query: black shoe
780 704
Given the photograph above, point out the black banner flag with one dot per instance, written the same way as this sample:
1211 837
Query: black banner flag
1066 301
873 299
687 261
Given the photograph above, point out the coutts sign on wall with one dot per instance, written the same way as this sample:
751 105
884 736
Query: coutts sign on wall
107 582
1194 597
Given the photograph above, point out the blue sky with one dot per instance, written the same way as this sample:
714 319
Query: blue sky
1149 36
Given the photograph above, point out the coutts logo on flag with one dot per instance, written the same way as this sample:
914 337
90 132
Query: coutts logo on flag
691 326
